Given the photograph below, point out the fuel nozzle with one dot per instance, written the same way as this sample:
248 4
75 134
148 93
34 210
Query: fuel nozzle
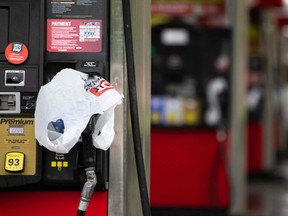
87 191
89 162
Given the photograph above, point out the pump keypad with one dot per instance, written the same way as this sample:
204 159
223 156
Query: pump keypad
14 161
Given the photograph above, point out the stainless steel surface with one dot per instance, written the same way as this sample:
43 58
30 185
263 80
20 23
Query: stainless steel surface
116 195
123 194
239 22
269 42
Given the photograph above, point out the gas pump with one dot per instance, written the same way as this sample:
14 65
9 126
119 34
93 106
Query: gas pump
76 38
190 64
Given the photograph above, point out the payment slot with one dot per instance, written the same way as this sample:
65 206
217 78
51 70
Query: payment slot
21 60
77 38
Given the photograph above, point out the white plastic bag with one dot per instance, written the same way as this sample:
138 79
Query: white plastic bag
65 105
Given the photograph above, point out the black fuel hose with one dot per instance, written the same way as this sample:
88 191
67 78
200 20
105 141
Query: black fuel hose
134 108
89 163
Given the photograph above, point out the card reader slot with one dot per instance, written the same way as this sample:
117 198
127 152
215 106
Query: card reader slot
9 102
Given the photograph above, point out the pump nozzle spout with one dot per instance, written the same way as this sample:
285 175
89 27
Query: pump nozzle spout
87 191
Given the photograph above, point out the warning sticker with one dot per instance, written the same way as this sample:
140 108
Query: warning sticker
16 53
72 35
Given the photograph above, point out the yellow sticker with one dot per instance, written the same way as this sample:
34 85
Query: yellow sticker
53 163
14 161
59 164
155 117
65 163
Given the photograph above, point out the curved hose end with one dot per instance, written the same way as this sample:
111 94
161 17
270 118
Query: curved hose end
87 190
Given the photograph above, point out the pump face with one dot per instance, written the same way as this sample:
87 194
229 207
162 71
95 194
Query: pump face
38 39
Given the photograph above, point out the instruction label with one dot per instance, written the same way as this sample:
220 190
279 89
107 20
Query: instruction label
76 9
70 35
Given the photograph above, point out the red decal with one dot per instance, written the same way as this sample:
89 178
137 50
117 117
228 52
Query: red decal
16 53
102 87
74 35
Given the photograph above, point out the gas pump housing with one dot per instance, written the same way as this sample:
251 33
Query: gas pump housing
39 39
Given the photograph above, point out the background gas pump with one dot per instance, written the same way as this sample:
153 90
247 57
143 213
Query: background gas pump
190 67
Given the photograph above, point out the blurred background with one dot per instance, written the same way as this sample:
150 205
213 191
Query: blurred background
219 107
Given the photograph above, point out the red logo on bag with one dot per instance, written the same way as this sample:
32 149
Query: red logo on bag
102 87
